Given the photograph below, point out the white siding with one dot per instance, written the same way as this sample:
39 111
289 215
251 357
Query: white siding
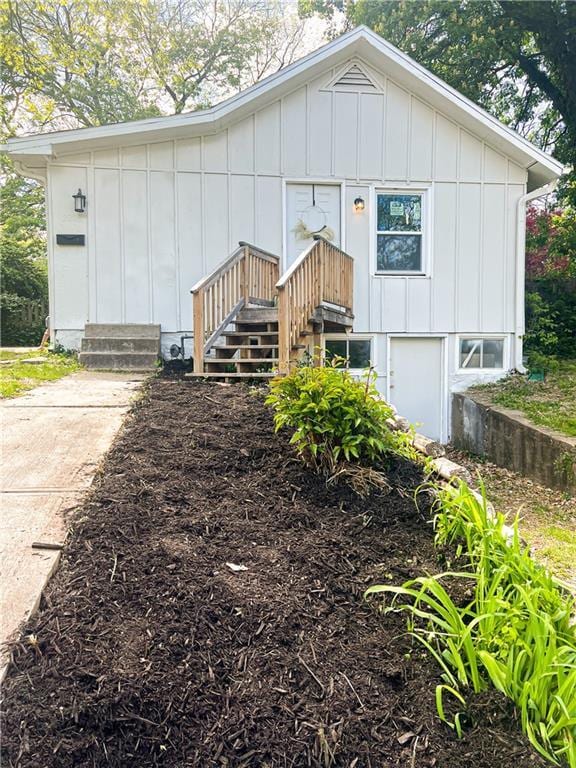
108 244
68 264
162 215
320 130
370 142
397 136
164 272
294 134
135 247
268 137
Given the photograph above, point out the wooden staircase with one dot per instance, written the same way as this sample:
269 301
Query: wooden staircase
250 323
249 348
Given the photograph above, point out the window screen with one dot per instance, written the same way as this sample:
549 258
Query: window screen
399 233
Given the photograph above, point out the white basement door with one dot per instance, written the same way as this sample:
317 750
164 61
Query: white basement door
311 208
417 383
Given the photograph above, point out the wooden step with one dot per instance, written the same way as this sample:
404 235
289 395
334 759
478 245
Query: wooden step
240 360
250 333
245 354
232 375
257 315
244 346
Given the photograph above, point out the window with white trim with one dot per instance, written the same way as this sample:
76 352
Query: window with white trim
355 352
399 232
481 353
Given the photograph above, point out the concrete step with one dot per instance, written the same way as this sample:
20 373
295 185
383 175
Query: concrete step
119 344
119 361
122 331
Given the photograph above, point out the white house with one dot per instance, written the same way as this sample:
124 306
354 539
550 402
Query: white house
421 187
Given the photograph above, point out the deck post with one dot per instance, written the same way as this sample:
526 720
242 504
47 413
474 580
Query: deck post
245 275
283 332
198 314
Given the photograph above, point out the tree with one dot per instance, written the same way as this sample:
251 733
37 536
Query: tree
70 63
551 281
515 58
23 257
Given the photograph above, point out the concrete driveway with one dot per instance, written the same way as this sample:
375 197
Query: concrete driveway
52 441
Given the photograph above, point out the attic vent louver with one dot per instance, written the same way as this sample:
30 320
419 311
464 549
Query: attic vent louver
355 79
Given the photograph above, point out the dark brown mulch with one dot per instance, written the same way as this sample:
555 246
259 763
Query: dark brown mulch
150 650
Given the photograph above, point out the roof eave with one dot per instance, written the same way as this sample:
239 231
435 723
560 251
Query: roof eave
360 41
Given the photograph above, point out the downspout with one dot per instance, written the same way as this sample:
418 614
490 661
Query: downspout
521 267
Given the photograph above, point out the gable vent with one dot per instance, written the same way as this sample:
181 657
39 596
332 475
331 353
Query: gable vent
355 79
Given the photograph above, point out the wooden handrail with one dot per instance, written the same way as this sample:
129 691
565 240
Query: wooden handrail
248 273
322 274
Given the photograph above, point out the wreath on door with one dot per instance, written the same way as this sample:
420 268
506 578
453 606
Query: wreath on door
313 222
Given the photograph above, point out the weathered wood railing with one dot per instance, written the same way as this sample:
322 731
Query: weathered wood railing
248 274
322 274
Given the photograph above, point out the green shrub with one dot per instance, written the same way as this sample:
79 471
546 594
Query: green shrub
335 417
515 632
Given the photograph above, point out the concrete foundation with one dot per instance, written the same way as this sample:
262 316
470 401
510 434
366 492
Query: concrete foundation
510 440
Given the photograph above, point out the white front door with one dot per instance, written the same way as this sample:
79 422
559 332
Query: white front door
416 382
311 209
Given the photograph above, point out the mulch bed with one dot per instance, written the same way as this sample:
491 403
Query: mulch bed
149 650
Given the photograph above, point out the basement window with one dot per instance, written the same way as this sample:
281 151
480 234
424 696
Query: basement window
349 351
399 233
480 354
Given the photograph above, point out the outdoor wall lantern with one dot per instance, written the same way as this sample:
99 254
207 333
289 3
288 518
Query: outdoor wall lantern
79 201
359 204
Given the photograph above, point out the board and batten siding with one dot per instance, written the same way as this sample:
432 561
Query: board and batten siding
160 216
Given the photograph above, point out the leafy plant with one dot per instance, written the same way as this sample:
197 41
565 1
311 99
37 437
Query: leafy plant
514 633
335 417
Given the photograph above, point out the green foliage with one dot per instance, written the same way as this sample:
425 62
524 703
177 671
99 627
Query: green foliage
92 62
514 633
551 284
551 316
24 276
541 336
550 242
335 417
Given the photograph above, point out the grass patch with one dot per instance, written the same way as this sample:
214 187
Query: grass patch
20 377
556 548
550 403
10 354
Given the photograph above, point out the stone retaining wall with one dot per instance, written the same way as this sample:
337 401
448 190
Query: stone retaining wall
509 439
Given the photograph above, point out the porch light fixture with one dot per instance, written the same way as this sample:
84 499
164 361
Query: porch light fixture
79 201
359 204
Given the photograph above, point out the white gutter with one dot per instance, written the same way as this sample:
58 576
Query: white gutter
31 173
521 267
